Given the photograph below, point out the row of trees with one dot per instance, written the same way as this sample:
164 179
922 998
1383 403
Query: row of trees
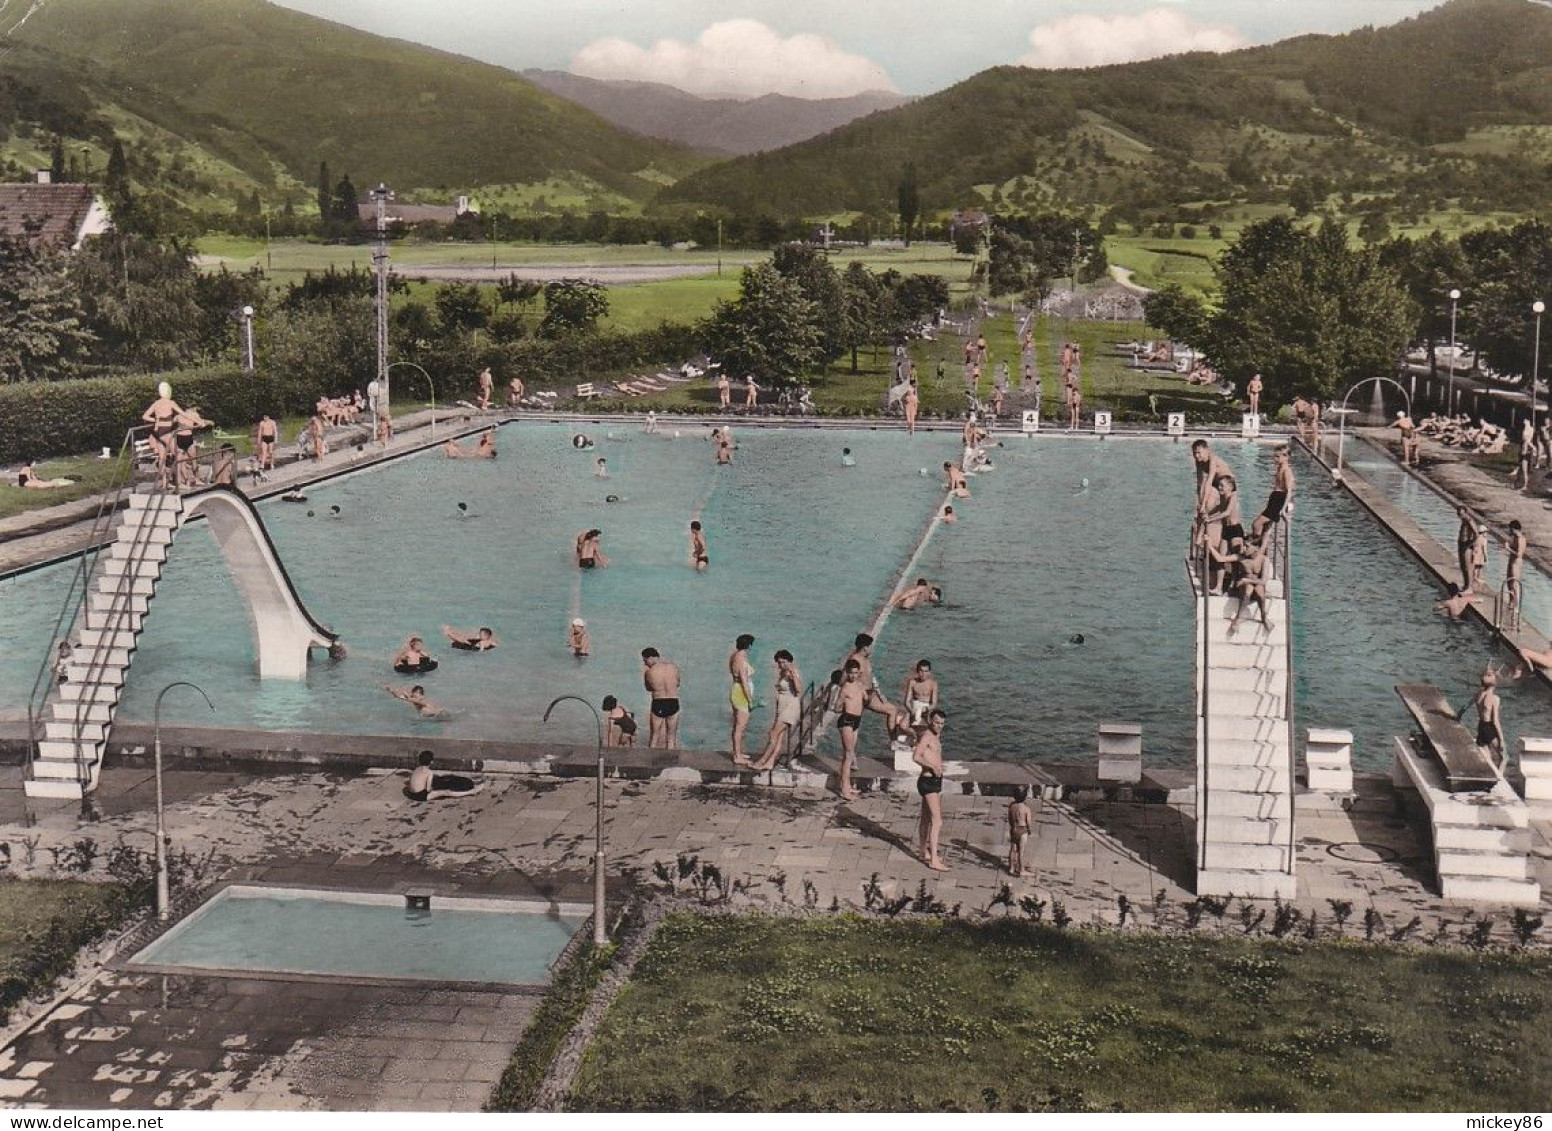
1312 314
798 313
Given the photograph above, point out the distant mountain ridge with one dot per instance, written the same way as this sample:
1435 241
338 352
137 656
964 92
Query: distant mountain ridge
270 89
721 125
1426 106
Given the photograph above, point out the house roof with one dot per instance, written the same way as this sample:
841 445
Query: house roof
44 215
410 213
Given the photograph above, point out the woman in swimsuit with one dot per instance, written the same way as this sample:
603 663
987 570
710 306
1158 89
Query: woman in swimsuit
789 709
741 694
186 423
162 416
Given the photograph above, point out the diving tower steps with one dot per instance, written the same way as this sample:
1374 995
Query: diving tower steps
75 721
1244 780
78 714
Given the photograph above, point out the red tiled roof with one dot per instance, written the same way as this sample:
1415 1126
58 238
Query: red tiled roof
47 215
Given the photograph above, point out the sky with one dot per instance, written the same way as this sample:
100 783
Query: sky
833 48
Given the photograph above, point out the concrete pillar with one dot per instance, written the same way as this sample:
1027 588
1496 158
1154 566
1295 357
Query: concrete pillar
1120 752
1328 759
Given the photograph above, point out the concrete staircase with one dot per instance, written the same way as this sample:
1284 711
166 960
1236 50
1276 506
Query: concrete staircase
78 713
1244 785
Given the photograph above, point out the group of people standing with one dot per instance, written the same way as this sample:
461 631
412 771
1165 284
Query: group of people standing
1231 560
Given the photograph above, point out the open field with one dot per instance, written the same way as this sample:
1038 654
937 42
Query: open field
847 1014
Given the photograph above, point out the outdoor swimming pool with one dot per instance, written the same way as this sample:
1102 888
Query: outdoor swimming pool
368 935
804 551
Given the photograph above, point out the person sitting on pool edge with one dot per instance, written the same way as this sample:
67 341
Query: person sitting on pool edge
481 641
413 659
427 786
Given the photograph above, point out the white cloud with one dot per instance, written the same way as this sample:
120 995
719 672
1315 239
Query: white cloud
738 58
1094 41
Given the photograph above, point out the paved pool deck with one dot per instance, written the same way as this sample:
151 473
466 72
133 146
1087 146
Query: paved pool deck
134 1040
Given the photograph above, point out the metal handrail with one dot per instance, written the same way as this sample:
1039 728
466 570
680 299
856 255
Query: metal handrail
1500 600
797 737
1282 539
119 606
123 478
1197 568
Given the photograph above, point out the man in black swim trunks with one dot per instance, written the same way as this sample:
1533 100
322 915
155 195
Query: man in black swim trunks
852 701
661 679
928 754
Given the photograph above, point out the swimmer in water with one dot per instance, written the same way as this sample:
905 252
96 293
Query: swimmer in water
601 468
914 595
699 558
416 697
482 640
1075 638
847 459
578 640
612 499
413 659
293 497
956 481
463 510
334 510
948 513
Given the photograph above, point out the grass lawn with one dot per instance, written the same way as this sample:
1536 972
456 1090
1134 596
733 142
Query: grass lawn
1155 262
27 906
91 477
841 1013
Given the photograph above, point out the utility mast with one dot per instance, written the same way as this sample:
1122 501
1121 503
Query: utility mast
380 198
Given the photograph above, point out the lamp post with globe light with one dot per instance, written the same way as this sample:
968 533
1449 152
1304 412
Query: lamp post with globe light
1537 308
1452 401
247 319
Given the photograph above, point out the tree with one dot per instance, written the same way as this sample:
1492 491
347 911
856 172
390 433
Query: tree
572 306
1180 315
138 299
1507 271
461 307
325 195
809 267
862 309
1428 269
1306 311
41 332
1374 228
771 330
908 198
346 206
57 161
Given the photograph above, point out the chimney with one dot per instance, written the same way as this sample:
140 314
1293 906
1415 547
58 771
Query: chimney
44 177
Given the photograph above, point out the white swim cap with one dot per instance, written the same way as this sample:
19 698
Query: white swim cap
579 623
1085 482
922 472
164 390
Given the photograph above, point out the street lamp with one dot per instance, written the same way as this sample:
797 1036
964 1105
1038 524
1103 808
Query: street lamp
1537 308
600 936
162 893
247 318
429 384
1451 402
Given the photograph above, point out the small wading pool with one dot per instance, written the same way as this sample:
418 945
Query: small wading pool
368 935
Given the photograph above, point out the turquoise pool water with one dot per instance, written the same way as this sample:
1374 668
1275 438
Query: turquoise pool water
1039 559
1435 515
368 936
804 552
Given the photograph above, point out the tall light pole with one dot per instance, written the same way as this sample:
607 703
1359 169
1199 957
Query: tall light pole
1450 401
163 893
600 936
380 198
247 319
1537 308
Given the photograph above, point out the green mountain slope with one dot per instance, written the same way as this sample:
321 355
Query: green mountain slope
1417 107
272 92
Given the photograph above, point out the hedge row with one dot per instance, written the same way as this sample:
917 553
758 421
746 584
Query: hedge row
39 420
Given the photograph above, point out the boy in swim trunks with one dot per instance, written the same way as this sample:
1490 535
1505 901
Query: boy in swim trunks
848 721
661 679
577 638
1020 821
698 556
416 697
928 754
920 693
